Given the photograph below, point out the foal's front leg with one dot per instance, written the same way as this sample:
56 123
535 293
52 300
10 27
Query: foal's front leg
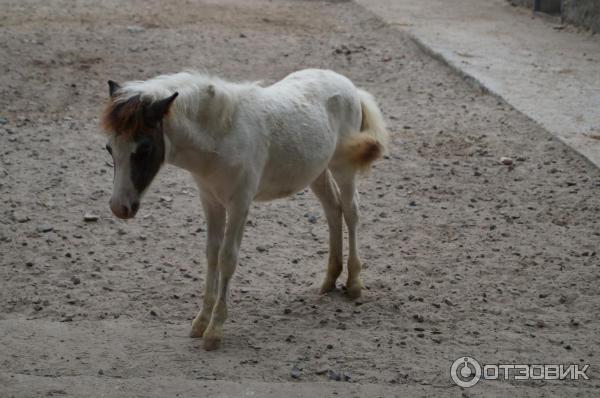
215 226
228 258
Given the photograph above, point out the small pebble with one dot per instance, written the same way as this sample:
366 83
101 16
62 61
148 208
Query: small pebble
447 301
506 161
135 29
75 280
334 375
21 218
45 228
295 372
89 217
418 317
540 324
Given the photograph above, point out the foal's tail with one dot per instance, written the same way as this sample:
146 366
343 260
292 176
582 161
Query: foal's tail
371 143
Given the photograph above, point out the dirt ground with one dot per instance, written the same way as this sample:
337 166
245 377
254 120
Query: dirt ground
463 255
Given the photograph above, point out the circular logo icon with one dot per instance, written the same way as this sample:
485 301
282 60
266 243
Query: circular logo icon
465 372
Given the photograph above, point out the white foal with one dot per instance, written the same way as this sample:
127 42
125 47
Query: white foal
244 142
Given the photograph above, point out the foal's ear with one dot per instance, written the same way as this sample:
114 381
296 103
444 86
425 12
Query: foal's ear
113 87
158 109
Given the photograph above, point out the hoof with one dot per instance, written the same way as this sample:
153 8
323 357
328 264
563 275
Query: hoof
327 286
196 333
198 328
354 291
212 343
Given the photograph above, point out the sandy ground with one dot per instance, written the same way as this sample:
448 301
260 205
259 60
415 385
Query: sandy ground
463 255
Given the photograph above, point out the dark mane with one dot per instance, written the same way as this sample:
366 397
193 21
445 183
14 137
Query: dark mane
123 117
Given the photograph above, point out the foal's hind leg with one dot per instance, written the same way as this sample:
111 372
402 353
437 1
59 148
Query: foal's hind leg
327 193
346 180
215 226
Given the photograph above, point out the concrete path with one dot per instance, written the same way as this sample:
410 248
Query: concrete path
549 72
160 387
80 357
119 359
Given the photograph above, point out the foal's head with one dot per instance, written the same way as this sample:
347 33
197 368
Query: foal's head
136 144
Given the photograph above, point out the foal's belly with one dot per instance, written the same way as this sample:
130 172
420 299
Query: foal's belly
289 170
280 183
274 190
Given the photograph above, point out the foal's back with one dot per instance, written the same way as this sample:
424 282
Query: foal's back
307 115
321 90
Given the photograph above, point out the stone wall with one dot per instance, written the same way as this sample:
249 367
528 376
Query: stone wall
549 6
522 3
582 13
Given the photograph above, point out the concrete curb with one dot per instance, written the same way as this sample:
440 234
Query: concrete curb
548 75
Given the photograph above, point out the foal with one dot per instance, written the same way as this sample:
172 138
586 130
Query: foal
243 142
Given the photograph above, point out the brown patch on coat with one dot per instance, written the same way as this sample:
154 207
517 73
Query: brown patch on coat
362 150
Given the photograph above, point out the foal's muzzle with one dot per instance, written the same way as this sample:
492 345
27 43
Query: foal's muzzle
124 210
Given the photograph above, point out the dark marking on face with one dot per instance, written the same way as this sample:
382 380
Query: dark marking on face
141 121
148 157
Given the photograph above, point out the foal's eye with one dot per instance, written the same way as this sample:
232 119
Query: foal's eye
143 149
109 149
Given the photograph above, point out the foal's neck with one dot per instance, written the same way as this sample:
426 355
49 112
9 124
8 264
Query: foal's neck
189 148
